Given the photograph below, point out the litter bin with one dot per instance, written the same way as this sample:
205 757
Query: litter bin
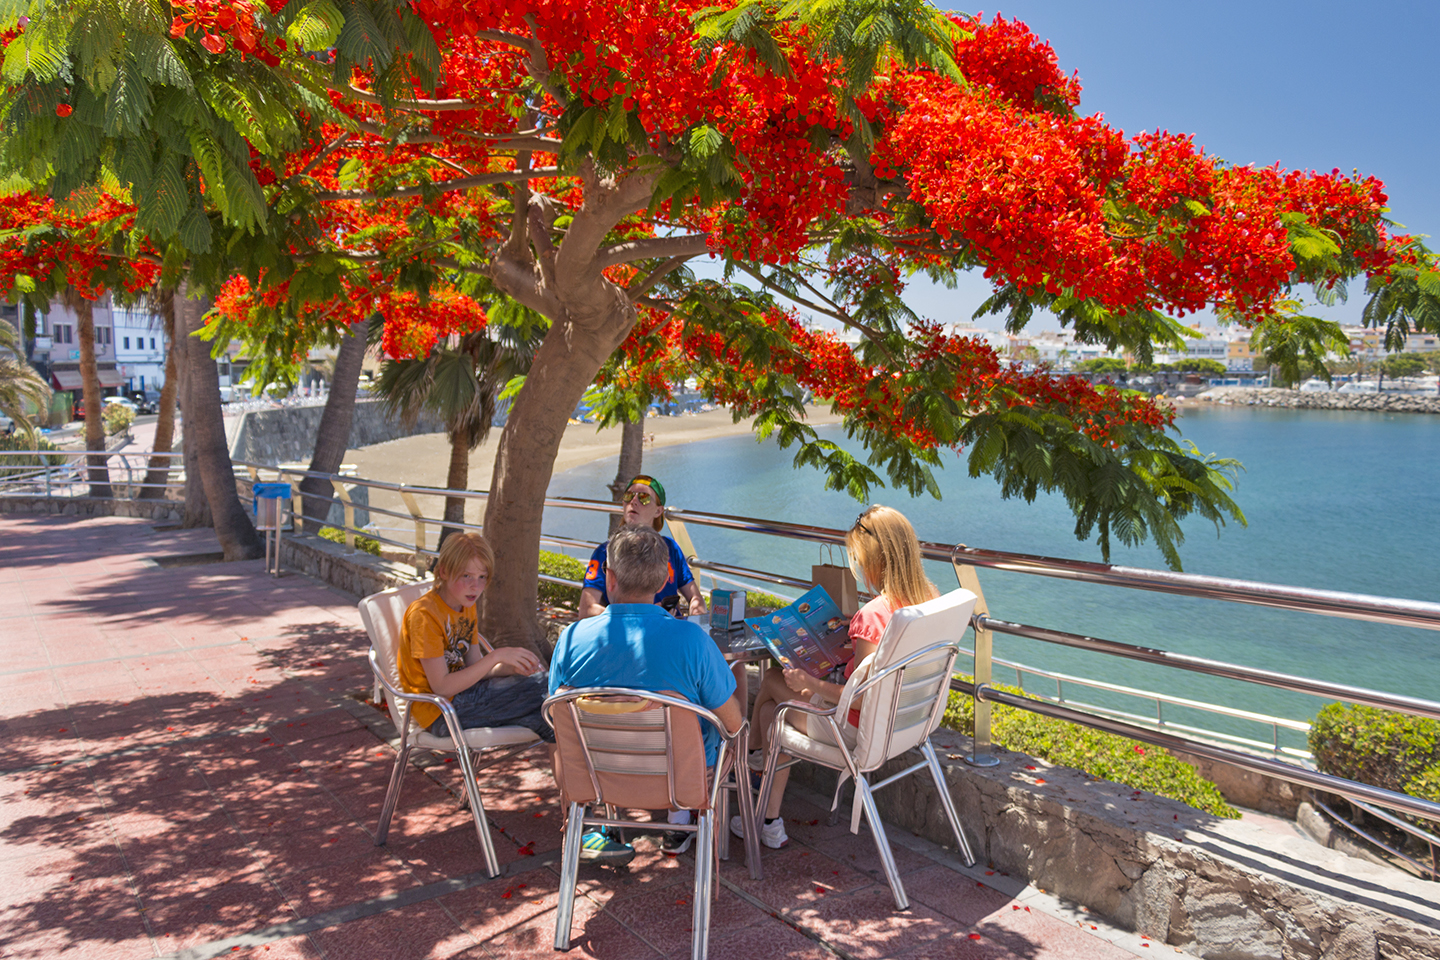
270 502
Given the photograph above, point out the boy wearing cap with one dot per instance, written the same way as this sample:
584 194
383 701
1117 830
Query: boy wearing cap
644 502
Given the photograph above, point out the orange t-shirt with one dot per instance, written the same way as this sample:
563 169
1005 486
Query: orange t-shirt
432 628
868 625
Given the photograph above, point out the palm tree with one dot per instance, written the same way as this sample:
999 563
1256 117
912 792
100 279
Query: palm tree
460 381
20 384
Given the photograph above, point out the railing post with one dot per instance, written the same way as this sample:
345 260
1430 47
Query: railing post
349 519
980 753
414 509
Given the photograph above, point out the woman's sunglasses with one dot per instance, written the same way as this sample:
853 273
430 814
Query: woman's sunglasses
642 497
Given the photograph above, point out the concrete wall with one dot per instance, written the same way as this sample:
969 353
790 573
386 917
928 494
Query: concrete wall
1249 889
287 434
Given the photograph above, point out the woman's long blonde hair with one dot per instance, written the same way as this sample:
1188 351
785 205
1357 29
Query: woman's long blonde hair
885 554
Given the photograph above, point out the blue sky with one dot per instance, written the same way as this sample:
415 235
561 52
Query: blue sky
1312 85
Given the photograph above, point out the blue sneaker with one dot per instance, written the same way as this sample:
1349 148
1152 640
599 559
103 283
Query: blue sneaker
597 846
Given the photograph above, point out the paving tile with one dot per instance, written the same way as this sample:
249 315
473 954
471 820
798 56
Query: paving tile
664 918
219 912
793 876
770 940
597 936
371 875
420 931
866 924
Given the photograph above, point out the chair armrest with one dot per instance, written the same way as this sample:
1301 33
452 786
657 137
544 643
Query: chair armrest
447 709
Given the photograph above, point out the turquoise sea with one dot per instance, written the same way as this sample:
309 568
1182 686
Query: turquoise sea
1335 500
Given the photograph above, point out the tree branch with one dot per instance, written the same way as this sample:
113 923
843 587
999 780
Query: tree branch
638 291
365 96
459 183
652 248
319 158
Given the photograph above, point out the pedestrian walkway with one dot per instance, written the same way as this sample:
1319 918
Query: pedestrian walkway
190 769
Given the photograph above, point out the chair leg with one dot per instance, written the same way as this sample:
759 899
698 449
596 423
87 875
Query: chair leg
477 811
569 873
750 823
941 787
722 815
882 844
704 885
392 794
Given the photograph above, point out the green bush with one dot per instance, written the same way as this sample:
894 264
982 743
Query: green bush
1104 756
23 440
117 417
561 565
364 543
1396 751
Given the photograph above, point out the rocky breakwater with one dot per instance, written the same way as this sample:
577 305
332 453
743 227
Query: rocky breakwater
1331 400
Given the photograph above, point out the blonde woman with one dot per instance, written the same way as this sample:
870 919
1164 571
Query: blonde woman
885 555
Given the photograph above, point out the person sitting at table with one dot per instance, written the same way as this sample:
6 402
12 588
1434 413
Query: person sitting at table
634 643
644 501
885 554
440 652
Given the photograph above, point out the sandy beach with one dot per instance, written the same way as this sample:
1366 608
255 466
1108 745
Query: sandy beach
424 459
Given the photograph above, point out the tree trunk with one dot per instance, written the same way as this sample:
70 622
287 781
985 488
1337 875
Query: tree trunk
197 507
332 438
632 455
98 473
205 433
158 473
456 478
564 366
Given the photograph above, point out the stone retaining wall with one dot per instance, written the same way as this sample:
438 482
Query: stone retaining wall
287 434
159 510
1276 397
1249 889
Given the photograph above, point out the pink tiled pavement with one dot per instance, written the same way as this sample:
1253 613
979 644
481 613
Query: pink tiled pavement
186 765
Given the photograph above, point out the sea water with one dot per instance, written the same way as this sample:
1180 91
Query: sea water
1334 500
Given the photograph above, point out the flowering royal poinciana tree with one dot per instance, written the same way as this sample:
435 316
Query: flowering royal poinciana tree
823 153
74 252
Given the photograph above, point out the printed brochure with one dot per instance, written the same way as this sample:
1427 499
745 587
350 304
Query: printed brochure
810 634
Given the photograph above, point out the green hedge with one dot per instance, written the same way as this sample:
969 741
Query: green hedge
1396 751
561 565
1104 756
364 543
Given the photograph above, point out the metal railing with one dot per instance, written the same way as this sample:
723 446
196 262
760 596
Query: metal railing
965 561
65 473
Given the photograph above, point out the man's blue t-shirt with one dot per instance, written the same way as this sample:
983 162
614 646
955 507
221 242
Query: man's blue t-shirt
679 572
640 645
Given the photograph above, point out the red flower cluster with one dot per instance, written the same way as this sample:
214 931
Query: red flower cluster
1010 61
411 329
41 239
977 380
214 20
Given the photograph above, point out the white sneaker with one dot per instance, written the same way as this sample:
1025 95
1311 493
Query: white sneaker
771 834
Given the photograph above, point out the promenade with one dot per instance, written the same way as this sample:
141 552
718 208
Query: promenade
190 770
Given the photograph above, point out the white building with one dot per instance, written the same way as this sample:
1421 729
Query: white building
139 348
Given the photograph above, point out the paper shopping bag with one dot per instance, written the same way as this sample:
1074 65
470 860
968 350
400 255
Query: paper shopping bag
839 582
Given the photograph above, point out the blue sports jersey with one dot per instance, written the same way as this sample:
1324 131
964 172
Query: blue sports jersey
679 572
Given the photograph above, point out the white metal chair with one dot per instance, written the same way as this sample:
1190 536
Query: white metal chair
383 613
623 748
906 686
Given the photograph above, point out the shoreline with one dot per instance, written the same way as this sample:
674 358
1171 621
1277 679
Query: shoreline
424 459
1328 400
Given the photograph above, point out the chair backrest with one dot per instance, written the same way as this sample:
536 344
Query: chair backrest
904 708
383 614
629 748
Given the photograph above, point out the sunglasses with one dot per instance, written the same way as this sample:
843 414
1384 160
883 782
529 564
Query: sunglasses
860 522
642 497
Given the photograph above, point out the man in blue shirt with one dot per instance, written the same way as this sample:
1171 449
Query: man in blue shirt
634 643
